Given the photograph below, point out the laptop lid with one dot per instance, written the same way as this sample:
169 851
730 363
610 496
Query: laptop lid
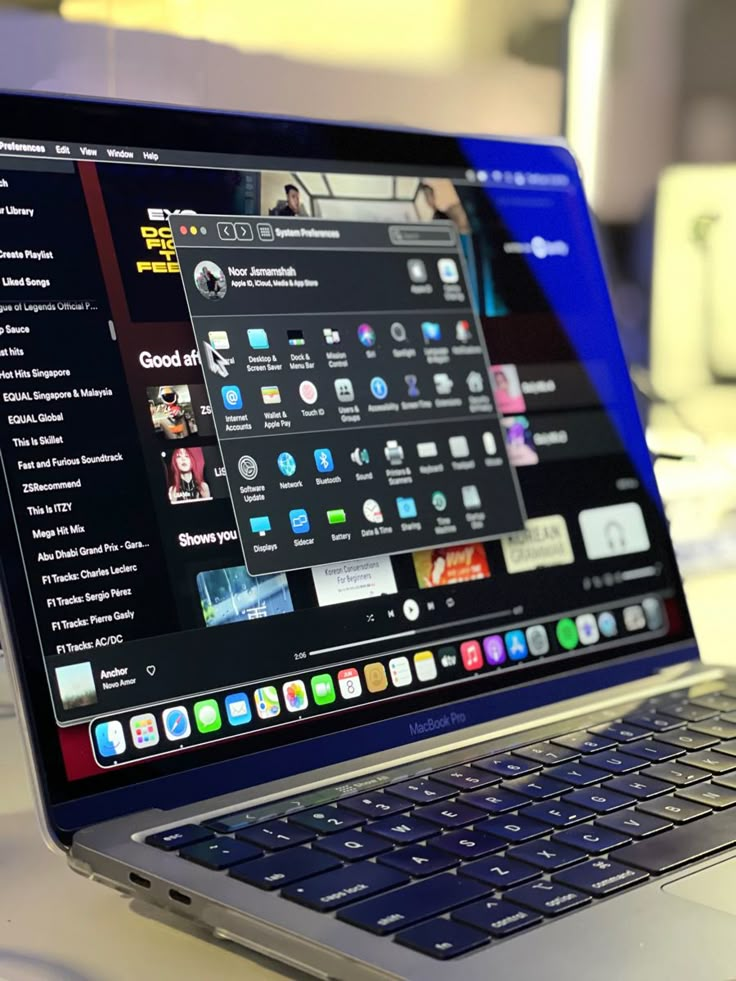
473 407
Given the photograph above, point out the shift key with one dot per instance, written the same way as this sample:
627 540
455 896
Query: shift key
412 904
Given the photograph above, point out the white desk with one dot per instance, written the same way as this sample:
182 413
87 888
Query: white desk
54 925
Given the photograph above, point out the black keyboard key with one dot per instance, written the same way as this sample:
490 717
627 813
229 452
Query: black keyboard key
711 761
620 732
577 774
719 728
421 791
283 868
325 820
639 786
374 805
185 834
653 751
514 828
546 855
653 721
602 800
710 795
682 845
467 844
402 830
687 740
600 877
585 742
419 861
497 917
220 853
547 753
500 872
335 889
275 835
548 898
442 939
729 748
451 814
687 711
351 846
675 809
507 765
537 787
591 838
411 904
466 778
497 801
635 824
559 814
677 774
615 762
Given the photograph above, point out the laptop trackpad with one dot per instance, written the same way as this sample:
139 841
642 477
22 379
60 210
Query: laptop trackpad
714 887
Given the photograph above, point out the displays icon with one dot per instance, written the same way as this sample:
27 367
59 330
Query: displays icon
270 394
406 507
176 723
144 731
348 681
587 628
219 340
471 654
367 335
459 448
494 649
516 645
344 390
267 702
257 338
237 708
336 516
443 384
471 497
299 520
448 271
400 671
286 464
360 456
417 270
463 333
110 738
308 392
323 689
398 332
295 696
439 501
489 443
379 388
394 452
247 468
372 511
425 666
537 639
260 525
207 715
431 331
231 397
375 677
323 460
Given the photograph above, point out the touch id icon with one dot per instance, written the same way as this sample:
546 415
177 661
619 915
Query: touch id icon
348 681
176 723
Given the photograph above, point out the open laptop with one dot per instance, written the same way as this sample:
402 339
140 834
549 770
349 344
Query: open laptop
337 591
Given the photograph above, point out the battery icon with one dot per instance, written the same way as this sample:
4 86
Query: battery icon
336 517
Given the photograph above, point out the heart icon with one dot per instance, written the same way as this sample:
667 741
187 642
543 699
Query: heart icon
151 669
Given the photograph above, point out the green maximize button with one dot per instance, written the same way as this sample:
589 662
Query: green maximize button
336 517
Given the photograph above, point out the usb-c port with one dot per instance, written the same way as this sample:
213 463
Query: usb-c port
138 880
179 897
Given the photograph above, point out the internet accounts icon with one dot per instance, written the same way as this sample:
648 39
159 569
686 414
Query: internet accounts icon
176 723
110 738
237 707
231 397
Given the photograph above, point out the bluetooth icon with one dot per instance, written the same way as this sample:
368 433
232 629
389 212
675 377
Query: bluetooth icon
323 461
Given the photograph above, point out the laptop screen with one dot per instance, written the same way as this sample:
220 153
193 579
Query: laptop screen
296 442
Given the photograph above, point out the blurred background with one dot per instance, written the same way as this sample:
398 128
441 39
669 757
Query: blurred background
644 91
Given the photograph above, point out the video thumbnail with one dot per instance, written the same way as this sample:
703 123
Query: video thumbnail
76 685
507 389
193 474
230 595
519 441
448 566
177 411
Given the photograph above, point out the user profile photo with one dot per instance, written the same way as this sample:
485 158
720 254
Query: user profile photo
76 685
210 280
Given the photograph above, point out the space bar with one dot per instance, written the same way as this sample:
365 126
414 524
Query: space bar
671 850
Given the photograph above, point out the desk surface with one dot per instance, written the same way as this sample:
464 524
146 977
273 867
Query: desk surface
55 925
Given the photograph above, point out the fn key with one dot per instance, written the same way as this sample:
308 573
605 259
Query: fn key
673 849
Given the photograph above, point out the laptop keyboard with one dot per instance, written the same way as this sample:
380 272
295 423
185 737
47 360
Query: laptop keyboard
455 859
